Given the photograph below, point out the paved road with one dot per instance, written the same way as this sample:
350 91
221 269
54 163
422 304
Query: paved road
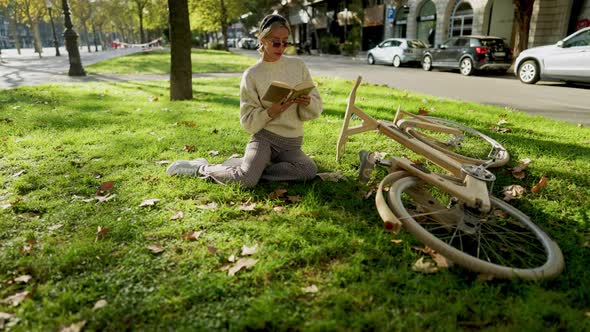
552 100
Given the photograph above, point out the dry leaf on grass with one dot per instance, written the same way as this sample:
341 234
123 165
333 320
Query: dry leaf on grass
542 183
5 319
247 206
397 241
279 209
155 248
213 152
278 193
23 279
212 249
101 232
518 171
162 162
208 206
188 148
424 266
484 277
6 206
440 260
19 173
248 251
513 192
104 188
191 236
55 227
16 299
231 258
75 327
149 202
242 263
177 215
100 304
502 121
331 177
294 198
310 289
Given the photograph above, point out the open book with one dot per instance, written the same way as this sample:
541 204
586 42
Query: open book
279 90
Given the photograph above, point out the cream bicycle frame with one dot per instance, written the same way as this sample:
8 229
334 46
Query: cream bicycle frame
474 192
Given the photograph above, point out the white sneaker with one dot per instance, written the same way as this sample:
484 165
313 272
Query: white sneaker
186 167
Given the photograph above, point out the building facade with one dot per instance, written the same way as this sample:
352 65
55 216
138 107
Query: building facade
434 21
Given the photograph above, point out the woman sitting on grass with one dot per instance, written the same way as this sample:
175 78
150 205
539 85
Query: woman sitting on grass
274 151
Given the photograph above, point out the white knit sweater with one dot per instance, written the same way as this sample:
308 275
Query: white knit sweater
255 82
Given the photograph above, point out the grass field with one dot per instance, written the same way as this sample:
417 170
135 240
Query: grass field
60 144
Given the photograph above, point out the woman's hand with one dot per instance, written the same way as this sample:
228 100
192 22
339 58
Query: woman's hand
280 107
302 100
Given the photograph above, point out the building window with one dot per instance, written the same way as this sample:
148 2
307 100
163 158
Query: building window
427 22
401 22
461 23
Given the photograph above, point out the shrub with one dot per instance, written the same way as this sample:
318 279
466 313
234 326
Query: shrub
329 45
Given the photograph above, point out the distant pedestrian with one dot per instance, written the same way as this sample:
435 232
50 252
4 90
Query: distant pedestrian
274 151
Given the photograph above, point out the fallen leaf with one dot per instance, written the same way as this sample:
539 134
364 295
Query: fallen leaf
587 313
440 260
331 177
155 248
104 187
580 125
23 279
484 277
294 199
212 249
177 215
278 193
279 209
154 99
397 241
4 318
149 202
247 206
213 153
424 266
28 246
542 183
502 121
208 206
191 236
241 264
310 289
248 251
513 192
422 110
75 327
231 258
500 213
17 298
369 193
100 304
19 173
162 162
235 155
6 206
189 148
100 199
101 232
380 155
55 227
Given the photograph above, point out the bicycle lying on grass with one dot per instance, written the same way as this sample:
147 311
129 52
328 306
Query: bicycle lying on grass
455 215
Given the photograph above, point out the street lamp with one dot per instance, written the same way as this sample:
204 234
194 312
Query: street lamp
49 7
71 38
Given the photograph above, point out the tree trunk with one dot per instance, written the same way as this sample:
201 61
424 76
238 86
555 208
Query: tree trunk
13 28
36 38
224 25
181 86
523 11
95 38
141 32
87 36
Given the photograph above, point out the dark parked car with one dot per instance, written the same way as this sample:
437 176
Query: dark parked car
469 54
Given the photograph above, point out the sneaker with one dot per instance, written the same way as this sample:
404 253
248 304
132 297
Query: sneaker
367 165
186 167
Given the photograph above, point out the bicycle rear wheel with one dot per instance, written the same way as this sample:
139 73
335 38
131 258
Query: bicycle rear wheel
504 242
471 147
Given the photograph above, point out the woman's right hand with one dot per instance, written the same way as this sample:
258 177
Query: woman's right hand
277 108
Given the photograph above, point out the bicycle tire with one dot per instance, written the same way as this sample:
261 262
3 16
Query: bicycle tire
514 236
470 149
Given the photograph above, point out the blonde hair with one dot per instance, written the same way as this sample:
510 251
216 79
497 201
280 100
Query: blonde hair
268 23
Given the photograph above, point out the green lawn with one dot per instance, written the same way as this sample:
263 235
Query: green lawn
58 144
158 62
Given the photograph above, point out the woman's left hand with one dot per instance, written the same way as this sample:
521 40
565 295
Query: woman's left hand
302 100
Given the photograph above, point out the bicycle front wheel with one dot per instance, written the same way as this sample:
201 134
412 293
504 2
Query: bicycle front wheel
471 147
504 242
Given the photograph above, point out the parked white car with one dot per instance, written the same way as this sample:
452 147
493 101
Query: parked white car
568 60
397 51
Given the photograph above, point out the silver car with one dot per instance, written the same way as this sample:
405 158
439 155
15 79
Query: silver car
568 60
397 51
